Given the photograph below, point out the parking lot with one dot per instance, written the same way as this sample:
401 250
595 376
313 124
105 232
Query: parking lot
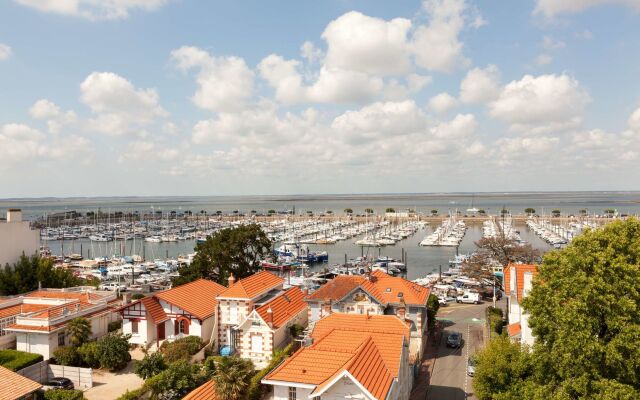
449 379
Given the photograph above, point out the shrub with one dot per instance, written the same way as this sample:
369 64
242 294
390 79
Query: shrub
114 326
63 395
181 349
176 381
137 296
134 394
89 354
494 318
67 356
16 360
114 351
150 365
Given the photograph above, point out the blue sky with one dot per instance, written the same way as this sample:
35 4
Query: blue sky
170 97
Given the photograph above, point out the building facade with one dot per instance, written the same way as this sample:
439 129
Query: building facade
16 238
518 281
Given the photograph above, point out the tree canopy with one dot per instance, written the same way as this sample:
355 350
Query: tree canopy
585 315
232 250
26 274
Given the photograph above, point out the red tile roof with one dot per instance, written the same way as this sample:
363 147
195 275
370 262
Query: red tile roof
198 298
514 329
21 308
154 310
383 287
370 349
520 270
206 391
51 328
284 307
251 286
14 386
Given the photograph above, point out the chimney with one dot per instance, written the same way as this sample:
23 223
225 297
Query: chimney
14 215
231 280
402 309
270 317
126 298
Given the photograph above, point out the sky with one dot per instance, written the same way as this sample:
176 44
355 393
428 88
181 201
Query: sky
187 97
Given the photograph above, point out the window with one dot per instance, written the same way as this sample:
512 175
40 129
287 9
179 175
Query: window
4 323
233 312
292 393
256 343
61 339
134 326
181 326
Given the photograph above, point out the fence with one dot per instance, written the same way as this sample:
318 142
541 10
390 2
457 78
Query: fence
42 372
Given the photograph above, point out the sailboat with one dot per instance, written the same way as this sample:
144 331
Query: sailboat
472 210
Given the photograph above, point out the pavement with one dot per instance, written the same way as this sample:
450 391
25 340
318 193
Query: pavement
448 379
110 385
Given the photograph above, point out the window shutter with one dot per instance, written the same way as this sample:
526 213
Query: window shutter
176 327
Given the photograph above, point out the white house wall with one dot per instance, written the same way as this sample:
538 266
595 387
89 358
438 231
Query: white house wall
282 393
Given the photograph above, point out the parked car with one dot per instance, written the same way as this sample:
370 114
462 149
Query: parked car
471 366
442 301
59 384
454 340
113 286
469 298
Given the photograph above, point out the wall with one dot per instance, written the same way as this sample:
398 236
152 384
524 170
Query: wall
282 393
15 238
42 372
344 388
40 343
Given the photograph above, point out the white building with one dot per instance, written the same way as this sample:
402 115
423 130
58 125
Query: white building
186 310
16 237
35 322
518 281
352 356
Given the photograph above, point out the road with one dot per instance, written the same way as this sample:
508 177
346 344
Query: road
449 380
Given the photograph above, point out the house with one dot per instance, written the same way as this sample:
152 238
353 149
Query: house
36 321
255 316
206 391
189 309
375 294
518 281
16 387
355 356
16 238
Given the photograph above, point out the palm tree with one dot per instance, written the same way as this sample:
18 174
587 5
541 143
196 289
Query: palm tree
78 331
232 378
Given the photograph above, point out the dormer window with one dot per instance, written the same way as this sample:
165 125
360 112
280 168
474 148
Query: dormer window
388 290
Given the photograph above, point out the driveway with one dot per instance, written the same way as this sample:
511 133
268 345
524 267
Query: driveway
110 385
449 380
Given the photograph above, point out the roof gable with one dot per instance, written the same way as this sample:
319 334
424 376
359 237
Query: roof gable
198 298
519 270
14 386
206 391
252 286
337 288
284 307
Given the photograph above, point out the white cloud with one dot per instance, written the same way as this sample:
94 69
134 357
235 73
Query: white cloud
593 139
551 8
357 42
437 45
93 9
544 59
463 125
549 43
118 106
310 52
5 51
44 109
480 85
508 150
541 104
634 120
442 103
224 83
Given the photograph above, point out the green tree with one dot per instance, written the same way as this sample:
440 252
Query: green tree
89 354
348 211
114 351
176 381
232 250
78 331
432 310
368 210
390 210
67 356
152 364
271 212
30 272
529 211
555 213
434 212
583 211
232 378
502 368
585 313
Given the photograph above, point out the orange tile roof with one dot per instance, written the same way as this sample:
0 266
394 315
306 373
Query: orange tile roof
154 309
251 286
383 287
520 269
206 391
198 298
337 288
370 354
51 328
22 308
514 329
389 324
284 307
14 386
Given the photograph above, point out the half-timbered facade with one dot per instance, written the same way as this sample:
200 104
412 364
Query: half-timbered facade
189 309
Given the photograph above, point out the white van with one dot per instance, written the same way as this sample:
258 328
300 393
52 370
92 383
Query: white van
469 298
